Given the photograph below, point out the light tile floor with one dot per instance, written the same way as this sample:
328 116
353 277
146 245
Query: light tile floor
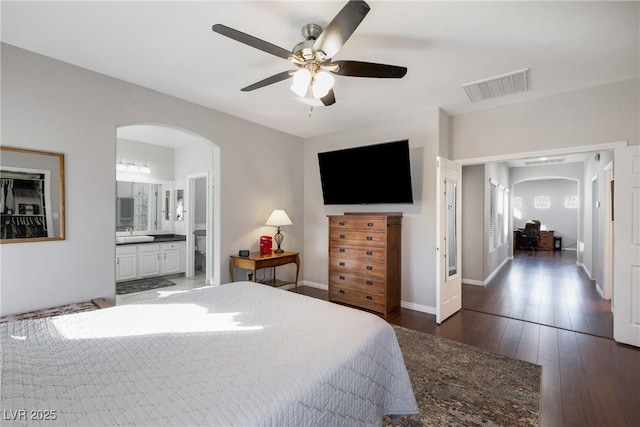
182 284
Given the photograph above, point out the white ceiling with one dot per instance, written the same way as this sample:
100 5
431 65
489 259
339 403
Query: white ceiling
169 47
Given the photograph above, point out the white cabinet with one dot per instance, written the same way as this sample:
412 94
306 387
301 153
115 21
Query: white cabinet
149 260
172 254
126 263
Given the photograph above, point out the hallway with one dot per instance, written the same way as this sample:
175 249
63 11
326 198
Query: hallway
547 288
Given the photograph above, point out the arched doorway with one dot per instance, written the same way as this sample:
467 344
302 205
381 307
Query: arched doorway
172 157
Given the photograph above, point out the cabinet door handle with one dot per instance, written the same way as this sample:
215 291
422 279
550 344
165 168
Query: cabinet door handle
369 297
369 282
118 260
341 277
369 267
342 264
369 253
342 236
341 249
341 223
369 238
158 257
369 224
341 291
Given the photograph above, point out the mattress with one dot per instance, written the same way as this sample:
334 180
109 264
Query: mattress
240 354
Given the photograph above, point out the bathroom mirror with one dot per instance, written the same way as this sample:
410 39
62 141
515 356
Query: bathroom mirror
31 195
141 206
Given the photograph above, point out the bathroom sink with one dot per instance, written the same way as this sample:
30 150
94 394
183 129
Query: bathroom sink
134 239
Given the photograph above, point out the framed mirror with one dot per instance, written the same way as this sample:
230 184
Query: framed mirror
31 195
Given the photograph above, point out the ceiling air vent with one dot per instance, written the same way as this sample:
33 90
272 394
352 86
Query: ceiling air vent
544 161
506 84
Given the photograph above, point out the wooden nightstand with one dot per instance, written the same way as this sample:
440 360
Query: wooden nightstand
256 261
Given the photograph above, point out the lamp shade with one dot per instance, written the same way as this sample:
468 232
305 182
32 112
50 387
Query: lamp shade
301 80
322 84
279 217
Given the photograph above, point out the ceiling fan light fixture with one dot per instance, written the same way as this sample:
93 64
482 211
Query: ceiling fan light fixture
322 84
301 80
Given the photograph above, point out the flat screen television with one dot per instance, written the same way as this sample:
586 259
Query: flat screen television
372 174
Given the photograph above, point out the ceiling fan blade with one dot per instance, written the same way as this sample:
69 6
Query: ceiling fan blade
329 99
341 27
368 69
269 80
251 41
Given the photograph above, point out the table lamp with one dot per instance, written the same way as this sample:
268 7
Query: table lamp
278 218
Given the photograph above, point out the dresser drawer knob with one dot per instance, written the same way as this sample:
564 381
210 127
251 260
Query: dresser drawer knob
369 282
369 253
342 264
341 223
341 277
369 267
369 238
341 250
341 291
369 224
342 236
369 297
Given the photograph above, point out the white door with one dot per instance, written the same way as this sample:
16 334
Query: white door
448 251
626 246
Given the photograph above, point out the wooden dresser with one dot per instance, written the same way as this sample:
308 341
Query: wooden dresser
364 260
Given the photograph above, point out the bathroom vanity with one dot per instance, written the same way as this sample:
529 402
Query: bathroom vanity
163 256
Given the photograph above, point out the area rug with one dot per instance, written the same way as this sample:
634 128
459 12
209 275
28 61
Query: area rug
460 385
142 285
48 312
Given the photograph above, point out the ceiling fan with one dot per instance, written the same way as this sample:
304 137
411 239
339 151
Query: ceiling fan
313 77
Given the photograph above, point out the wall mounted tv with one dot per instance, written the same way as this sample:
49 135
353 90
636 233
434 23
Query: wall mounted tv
372 174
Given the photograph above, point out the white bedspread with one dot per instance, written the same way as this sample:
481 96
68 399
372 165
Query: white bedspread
240 354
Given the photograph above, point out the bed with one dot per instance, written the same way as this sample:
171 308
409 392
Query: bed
240 354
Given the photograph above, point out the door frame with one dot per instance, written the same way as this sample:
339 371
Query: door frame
190 219
607 146
607 284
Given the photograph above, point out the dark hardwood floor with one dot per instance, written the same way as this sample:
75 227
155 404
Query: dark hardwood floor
546 288
587 380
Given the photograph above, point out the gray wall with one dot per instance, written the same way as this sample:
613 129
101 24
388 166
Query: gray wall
418 222
596 115
473 221
563 221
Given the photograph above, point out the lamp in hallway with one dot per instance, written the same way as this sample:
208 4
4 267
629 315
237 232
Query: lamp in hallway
279 218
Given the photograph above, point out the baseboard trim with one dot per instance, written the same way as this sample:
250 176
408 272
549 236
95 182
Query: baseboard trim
418 307
472 282
600 290
314 285
496 270
584 267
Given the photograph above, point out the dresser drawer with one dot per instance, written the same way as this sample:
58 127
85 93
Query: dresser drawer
339 223
373 253
355 266
375 224
358 298
375 285
350 237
